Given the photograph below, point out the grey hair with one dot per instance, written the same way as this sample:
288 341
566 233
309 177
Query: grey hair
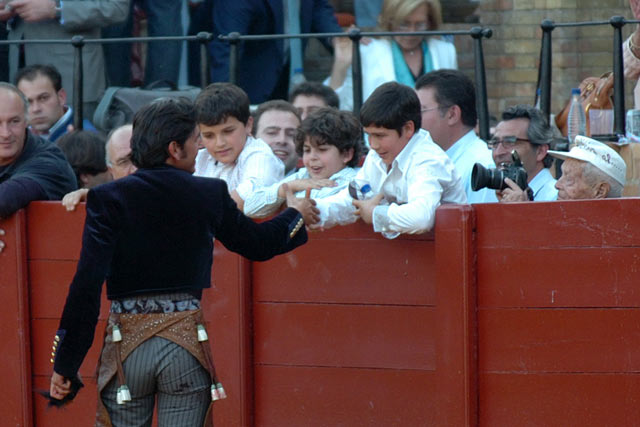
539 132
107 160
594 176
25 101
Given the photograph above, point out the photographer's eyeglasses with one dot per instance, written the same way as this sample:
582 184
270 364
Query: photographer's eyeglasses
508 142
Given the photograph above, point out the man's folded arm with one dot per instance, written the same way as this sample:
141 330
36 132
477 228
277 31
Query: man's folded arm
16 193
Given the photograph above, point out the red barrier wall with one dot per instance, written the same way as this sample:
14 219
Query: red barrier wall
526 314
559 313
350 329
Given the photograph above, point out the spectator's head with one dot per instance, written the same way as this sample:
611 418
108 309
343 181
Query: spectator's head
224 120
85 152
448 105
13 123
275 122
118 152
308 97
524 129
328 141
165 132
591 170
390 116
410 15
42 85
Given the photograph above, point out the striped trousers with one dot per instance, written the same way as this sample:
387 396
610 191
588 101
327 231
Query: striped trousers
162 368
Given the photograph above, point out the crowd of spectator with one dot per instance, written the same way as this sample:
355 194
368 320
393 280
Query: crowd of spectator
418 118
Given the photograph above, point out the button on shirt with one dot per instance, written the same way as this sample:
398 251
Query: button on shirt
421 178
264 201
543 186
255 167
466 152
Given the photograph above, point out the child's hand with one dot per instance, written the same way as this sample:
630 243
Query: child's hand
306 206
364 208
306 184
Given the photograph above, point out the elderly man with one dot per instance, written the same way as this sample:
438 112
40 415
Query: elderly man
591 170
524 129
118 159
49 114
30 167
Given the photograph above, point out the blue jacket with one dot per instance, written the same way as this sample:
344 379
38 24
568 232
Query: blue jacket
260 63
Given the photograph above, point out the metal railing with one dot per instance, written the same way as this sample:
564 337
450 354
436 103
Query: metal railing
355 34
204 38
544 72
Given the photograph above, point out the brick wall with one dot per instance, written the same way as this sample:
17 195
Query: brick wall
512 54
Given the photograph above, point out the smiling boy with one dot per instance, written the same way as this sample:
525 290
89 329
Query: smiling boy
330 143
408 173
230 152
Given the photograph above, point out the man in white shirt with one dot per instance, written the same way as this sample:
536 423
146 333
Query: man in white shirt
408 173
448 107
524 129
230 152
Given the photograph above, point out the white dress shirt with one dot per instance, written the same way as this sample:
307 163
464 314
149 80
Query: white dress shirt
377 67
543 186
255 167
421 178
466 152
265 201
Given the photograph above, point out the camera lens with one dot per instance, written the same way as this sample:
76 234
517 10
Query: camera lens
482 177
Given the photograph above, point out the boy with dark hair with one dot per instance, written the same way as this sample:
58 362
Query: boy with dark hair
408 174
85 152
151 236
329 142
230 152
275 122
308 97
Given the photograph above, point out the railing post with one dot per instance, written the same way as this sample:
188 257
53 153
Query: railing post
204 39
481 81
78 44
618 76
547 26
356 70
234 39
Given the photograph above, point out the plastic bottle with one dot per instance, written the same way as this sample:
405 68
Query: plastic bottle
366 192
577 121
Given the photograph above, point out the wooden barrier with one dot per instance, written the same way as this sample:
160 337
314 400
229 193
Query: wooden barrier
559 313
523 314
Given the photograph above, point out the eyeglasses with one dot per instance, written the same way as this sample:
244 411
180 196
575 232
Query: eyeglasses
507 142
424 109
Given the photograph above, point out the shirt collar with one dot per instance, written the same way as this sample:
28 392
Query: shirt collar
460 146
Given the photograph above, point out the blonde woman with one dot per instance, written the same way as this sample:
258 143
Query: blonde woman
402 58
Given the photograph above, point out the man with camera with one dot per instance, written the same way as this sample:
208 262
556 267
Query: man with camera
523 129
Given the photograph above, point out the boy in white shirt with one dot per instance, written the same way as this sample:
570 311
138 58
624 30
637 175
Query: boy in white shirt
330 143
230 152
408 173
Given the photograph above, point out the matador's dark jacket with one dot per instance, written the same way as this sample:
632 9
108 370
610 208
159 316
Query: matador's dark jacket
152 232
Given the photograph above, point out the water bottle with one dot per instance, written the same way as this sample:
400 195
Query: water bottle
577 121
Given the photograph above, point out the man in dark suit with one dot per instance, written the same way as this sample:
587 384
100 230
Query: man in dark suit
263 66
151 235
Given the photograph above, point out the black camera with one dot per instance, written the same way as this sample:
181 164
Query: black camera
482 177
